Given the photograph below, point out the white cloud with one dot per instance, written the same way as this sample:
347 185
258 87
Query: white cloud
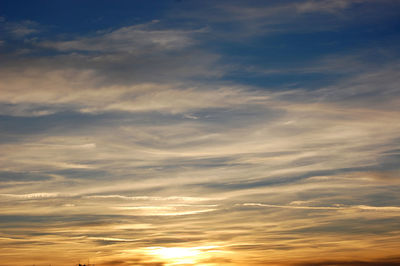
360 207
38 195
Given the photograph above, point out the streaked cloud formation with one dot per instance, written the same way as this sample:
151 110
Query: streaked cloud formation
211 133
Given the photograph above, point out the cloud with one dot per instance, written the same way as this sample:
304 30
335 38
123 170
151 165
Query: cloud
20 29
143 39
31 195
55 91
383 262
174 198
324 6
361 207
134 68
133 261
260 18
7 176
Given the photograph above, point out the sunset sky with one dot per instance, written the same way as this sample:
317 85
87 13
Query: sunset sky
184 132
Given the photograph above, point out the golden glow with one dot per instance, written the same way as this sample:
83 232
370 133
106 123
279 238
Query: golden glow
176 255
181 255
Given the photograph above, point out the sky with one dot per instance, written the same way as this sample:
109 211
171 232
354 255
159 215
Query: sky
183 132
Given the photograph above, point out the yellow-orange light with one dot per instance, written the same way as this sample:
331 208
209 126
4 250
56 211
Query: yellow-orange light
181 255
176 255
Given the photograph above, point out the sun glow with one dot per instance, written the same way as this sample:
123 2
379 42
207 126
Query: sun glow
180 255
